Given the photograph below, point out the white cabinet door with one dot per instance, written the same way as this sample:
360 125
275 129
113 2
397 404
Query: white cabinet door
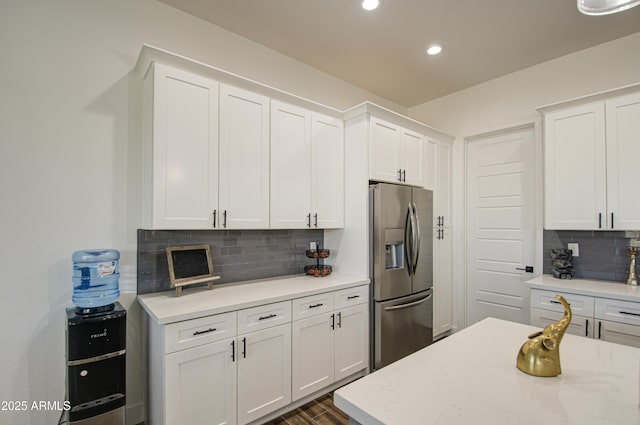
264 372
442 195
623 151
574 164
200 386
244 160
385 144
442 284
351 340
290 166
430 147
183 143
580 325
327 171
412 158
312 354
620 333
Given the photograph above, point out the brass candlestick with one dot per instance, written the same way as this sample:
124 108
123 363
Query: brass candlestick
633 278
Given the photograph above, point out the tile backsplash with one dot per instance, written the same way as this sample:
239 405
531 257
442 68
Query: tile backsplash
602 254
237 255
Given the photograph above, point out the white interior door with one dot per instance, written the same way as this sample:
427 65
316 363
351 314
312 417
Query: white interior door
500 224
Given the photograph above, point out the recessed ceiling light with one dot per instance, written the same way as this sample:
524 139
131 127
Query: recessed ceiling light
370 4
434 50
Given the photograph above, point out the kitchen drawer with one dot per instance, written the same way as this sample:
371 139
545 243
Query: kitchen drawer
312 305
581 305
582 326
191 333
264 316
351 296
618 311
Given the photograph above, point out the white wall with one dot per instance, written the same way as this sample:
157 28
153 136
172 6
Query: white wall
70 161
510 101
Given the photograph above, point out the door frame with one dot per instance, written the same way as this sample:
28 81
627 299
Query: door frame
459 186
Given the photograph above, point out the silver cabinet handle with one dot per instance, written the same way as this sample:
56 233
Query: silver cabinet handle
339 319
272 315
224 215
315 219
309 220
399 174
404 175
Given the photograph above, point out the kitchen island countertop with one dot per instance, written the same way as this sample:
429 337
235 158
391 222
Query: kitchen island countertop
471 378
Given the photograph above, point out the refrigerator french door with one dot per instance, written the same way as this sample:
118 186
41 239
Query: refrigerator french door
402 271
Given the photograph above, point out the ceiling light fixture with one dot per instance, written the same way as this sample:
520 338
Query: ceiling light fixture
434 50
370 4
605 7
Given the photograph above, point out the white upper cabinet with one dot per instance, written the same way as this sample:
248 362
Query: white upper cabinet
623 154
398 155
443 190
307 169
208 162
574 163
412 158
327 171
385 149
590 153
244 159
180 149
290 166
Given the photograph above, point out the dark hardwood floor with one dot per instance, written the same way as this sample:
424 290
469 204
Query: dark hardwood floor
320 411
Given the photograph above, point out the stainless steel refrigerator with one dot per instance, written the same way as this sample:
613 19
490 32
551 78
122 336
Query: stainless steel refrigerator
402 270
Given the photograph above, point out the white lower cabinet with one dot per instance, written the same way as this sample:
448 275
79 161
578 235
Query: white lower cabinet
201 385
264 372
333 345
312 354
237 367
351 341
593 317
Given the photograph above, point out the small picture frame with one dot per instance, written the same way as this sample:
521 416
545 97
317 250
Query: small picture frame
190 265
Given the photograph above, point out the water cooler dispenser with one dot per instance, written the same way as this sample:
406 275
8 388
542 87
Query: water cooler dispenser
96 342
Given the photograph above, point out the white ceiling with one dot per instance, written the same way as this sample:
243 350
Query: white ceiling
383 51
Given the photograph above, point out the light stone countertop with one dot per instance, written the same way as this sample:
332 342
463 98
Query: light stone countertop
471 378
165 307
595 288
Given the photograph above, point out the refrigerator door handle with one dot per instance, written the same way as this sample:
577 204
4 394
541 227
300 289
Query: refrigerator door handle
408 240
416 234
408 305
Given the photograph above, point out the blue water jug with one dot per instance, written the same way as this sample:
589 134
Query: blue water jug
96 273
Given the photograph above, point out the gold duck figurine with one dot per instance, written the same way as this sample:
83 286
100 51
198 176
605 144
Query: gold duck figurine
540 355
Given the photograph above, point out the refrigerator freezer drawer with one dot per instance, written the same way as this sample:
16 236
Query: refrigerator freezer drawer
402 326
